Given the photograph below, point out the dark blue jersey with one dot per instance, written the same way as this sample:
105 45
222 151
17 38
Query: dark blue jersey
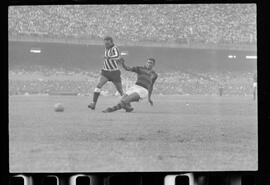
145 77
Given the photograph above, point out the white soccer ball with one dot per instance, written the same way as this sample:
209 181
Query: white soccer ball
58 107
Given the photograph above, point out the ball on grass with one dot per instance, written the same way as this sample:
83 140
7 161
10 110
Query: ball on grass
58 107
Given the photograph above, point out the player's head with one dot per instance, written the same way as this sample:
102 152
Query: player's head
108 41
150 63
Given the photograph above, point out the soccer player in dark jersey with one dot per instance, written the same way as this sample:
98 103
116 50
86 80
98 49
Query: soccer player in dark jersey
110 71
143 87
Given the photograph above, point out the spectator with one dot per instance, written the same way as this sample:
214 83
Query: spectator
176 83
205 23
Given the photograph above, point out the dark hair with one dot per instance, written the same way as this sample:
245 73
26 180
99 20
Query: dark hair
108 38
152 59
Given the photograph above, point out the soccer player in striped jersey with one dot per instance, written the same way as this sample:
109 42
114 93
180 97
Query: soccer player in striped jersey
143 87
109 72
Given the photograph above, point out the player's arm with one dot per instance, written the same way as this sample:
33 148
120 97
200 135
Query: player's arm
115 54
127 68
150 89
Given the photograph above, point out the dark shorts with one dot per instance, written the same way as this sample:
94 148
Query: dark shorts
113 76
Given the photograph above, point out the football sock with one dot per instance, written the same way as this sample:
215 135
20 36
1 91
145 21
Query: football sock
117 107
95 97
96 94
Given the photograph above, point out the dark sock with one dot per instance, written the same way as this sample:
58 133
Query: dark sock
117 107
125 105
95 97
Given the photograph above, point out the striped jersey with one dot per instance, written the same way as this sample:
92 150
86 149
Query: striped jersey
111 64
145 77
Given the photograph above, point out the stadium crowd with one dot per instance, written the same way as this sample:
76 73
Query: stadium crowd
79 82
204 23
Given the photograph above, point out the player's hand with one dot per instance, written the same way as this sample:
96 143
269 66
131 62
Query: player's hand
151 102
121 59
107 58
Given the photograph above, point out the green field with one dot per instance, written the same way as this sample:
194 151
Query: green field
180 133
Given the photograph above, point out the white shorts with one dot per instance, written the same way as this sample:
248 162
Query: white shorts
254 84
143 93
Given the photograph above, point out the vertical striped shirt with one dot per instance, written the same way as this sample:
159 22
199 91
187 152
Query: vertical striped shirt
111 63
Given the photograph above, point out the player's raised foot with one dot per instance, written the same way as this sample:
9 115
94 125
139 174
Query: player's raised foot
108 110
92 106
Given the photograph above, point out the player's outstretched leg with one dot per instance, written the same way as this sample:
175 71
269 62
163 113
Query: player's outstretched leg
103 80
118 107
125 102
112 109
119 88
131 98
128 99
95 98
128 106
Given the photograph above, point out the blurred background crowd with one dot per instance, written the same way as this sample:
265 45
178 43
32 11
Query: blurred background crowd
181 24
40 80
233 24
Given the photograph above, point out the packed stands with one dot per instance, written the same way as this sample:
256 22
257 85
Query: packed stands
179 24
182 24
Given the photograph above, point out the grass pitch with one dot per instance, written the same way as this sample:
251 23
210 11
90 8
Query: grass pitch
179 133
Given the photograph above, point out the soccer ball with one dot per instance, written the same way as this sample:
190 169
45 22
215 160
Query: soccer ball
58 107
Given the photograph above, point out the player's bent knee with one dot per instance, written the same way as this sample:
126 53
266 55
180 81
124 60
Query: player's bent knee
124 95
124 99
136 97
99 85
97 89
